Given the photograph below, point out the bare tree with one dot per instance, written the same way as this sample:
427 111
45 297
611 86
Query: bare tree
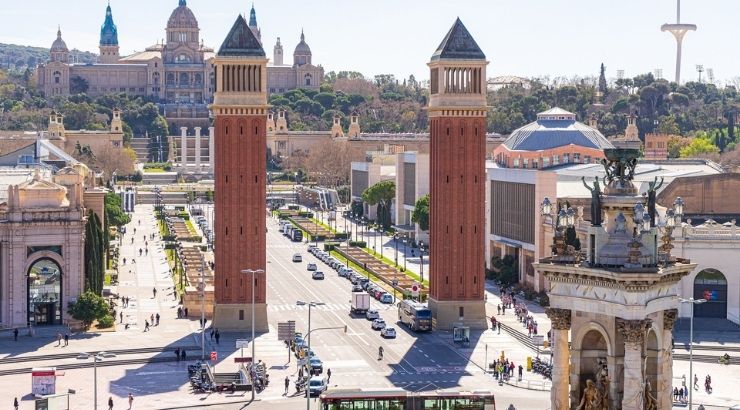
108 160
329 163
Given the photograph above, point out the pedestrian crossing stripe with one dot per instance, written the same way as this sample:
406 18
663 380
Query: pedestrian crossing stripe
291 307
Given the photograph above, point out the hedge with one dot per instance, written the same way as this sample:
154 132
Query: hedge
358 244
329 246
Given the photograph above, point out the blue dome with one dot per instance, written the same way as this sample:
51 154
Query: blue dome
109 31
555 128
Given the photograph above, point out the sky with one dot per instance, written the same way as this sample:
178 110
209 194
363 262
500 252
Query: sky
529 38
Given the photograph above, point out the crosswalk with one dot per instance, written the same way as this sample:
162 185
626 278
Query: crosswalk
285 307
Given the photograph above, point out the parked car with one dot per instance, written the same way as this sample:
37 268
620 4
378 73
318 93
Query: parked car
372 314
388 332
311 266
378 324
362 281
386 298
297 257
319 275
377 293
356 288
316 385
344 272
317 367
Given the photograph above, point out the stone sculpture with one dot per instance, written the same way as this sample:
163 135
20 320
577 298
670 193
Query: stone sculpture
595 201
591 398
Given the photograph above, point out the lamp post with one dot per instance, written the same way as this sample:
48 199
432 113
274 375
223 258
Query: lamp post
395 243
375 242
405 251
381 242
672 217
421 262
202 294
254 285
308 337
96 358
693 302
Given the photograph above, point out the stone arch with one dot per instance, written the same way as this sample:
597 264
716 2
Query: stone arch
592 347
583 330
44 288
711 284
652 357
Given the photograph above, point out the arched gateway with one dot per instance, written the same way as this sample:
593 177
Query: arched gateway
711 284
44 293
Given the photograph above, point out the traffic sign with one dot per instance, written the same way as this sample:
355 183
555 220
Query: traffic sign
214 356
415 289
286 330
394 282
242 359
242 343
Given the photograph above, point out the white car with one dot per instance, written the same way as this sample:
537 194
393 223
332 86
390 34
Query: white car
311 266
297 257
316 385
388 332
378 324
372 314
318 275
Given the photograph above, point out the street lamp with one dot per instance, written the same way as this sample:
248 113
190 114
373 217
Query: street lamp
308 337
254 285
202 294
421 261
381 241
691 343
395 243
405 250
96 358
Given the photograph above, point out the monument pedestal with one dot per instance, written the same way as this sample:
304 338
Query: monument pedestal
447 313
238 316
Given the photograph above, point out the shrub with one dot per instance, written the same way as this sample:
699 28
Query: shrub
543 299
89 307
294 207
329 246
106 321
358 244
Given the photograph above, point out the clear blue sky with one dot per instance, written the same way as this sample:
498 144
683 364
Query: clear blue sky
519 37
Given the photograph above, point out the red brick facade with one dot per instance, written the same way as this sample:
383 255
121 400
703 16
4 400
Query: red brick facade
240 225
457 208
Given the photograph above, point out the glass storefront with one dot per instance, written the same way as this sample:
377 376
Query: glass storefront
45 293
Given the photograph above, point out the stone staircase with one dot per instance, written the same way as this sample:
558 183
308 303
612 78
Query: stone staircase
159 178
140 145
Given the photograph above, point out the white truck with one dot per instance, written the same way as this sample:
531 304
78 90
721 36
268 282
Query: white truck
360 302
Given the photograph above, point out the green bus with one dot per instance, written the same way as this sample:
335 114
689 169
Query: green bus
399 399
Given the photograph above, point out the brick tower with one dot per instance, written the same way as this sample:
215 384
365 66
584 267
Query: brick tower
457 127
240 111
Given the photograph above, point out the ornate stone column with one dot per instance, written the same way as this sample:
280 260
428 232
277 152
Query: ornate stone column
197 148
665 362
183 147
633 332
211 147
560 319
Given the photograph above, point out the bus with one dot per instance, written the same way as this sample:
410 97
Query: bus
415 315
296 235
399 399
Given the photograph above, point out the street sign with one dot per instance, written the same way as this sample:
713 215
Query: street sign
394 282
242 343
214 356
242 360
538 340
415 290
286 330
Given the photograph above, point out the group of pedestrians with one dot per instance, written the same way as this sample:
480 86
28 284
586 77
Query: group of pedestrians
182 313
503 369
61 338
215 334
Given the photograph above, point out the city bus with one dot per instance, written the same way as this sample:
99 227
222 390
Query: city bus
399 399
415 315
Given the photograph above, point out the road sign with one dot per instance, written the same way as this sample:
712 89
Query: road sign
242 359
538 340
286 330
415 289
242 343
394 282
214 356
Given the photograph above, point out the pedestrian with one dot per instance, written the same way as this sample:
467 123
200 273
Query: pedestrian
132 239
121 315
218 336
133 261
183 356
151 317
328 375
15 403
15 334
498 307
696 382
186 312
177 354
154 292
213 332
59 339
521 370
146 325
130 400
140 251
493 323
110 403
300 373
66 339
146 251
157 319
124 261
287 384
139 223
179 312
499 327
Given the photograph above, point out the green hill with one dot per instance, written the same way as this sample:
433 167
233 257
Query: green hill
16 57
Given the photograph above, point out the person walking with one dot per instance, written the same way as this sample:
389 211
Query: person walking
696 382
154 292
59 339
130 400
146 325
66 339
15 403
218 336
15 334
121 315
328 375
183 356
213 332
157 316
186 312
110 403
151 317
287 384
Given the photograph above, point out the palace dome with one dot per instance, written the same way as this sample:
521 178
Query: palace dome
302 48
59 44
182 17
555 128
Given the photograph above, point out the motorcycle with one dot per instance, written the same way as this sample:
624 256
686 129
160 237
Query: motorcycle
724 360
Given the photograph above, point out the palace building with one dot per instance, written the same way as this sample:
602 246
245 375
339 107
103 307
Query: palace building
177 73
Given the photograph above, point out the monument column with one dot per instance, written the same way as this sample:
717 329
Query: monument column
211 148
633 332
197 148
183 147
560 319
665 362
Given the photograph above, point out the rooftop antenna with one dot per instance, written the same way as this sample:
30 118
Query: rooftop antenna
699 69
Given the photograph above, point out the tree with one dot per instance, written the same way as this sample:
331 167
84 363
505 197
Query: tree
114 213
668 125
107 160
675 144
94 254
699 146
78 85
421 213
334 172
89 307
381 194
602 82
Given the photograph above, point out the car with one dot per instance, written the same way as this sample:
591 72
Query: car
377 293
319 275
362 281
355 280
386 298
297 257
311 266
388 332
343 272
372 314
378 324
316 385
356 288
300 346
297 342
317 367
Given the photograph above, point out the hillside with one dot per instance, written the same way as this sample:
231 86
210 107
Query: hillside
16 57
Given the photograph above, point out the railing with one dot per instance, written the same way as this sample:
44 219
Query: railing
544 385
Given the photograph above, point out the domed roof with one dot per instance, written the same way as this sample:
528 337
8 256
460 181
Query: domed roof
302 48
182 17
59 44
555 128
109 31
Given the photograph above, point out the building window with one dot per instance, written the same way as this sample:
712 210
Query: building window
122 89
534 164
555 159
57 77
587 159
272 90
526 163
307 77
566 158
516 162
577 157
545 162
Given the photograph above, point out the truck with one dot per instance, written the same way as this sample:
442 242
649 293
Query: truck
360 302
